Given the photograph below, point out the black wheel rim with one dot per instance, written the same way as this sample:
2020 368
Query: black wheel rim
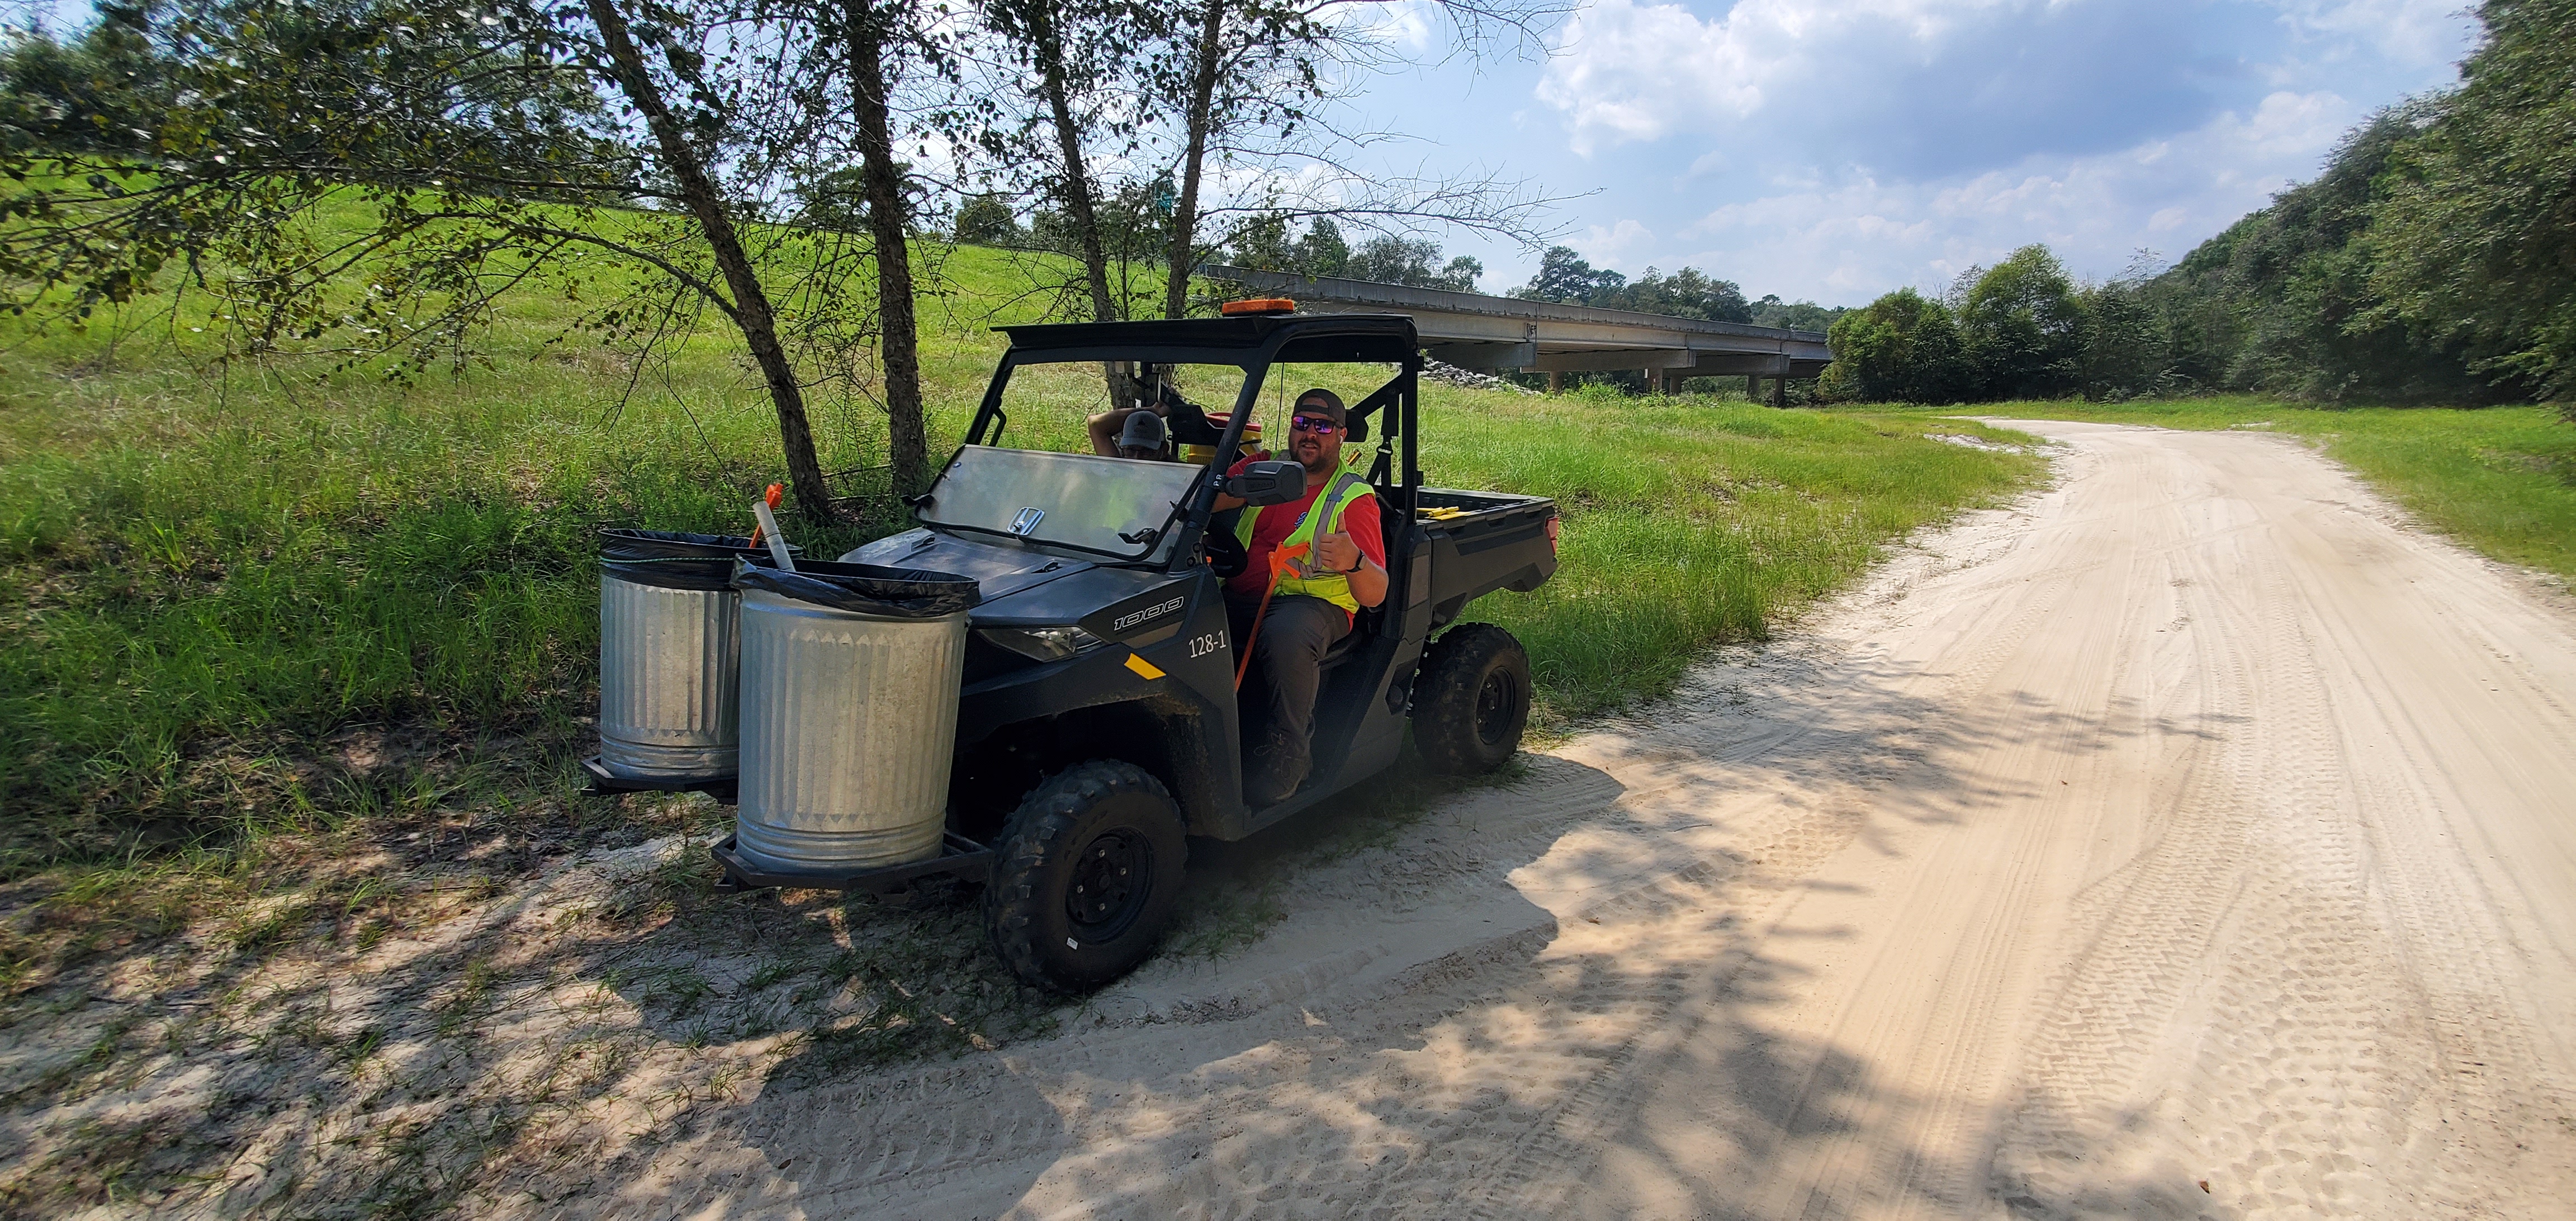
1110 882
1498 704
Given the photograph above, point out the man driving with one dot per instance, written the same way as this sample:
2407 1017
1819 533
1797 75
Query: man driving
1339 566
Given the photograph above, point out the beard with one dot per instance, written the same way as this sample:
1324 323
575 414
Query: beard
1322 461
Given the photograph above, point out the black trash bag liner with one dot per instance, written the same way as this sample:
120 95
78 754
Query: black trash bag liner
866 589
677 561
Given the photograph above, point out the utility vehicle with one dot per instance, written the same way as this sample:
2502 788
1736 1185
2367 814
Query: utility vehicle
1097 724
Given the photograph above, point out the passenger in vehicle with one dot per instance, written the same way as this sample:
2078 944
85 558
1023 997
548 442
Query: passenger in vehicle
1184 420
1143 437
1316 595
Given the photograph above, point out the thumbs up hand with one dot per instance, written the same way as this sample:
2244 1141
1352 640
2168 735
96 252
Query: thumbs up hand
1336 552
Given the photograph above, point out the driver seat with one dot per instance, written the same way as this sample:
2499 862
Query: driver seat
1369 620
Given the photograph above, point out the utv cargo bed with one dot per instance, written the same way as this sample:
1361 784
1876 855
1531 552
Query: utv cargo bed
1482 542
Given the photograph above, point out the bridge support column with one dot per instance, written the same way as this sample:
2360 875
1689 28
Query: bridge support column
1752 388
1555 381
1779 392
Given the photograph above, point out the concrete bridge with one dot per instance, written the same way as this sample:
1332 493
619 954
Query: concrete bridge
1475 331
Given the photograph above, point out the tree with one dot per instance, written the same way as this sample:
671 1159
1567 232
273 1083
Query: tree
985 220
1563 275
366 178
1903 347
2284 301
1244 80
874 33
1261 243
1322 252
1414 262
1688 293
2023 326
1795 315
1064 55
2475 241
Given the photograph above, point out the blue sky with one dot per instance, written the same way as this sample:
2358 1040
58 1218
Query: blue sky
1836 149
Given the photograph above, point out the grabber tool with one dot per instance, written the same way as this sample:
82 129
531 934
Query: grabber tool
769 523
1280 559
776 493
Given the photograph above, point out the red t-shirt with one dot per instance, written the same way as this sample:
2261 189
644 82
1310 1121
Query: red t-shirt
1277 522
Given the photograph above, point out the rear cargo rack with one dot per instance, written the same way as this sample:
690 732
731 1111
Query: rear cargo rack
957 855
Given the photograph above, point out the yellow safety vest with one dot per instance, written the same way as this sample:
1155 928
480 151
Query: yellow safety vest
1324 516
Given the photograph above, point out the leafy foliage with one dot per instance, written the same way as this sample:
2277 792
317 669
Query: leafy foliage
1388 259
2474 241
1903 347
1564 275
2432 261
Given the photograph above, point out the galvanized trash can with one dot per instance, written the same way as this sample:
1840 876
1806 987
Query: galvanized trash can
849 714
669 651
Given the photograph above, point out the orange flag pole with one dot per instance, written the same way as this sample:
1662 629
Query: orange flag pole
1280 559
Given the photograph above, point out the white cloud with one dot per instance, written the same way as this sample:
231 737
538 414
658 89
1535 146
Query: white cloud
1861 235
1940 86
1620 243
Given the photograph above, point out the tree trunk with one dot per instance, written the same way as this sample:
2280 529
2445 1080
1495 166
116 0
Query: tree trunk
1047 43
750 308
1185 215
907 440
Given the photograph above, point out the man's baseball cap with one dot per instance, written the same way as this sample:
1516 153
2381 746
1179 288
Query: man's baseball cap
1144 430
1322 402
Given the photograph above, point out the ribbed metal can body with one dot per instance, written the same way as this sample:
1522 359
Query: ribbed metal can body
668 661
848 722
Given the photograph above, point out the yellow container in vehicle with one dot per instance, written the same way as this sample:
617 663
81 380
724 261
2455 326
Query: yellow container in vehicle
1201 455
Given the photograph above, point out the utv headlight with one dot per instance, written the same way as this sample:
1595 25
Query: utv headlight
1043 643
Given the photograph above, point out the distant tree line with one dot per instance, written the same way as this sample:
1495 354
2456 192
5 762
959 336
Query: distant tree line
2433 261
1564 275
1259 240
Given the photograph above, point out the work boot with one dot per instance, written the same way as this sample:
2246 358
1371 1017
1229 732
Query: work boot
1278 766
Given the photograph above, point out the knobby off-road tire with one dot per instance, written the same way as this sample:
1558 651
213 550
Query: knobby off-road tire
1472 700
1085 876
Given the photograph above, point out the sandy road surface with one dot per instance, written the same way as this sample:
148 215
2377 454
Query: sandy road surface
2194 821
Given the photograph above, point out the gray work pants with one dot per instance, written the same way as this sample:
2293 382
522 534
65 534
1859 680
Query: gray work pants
1288 659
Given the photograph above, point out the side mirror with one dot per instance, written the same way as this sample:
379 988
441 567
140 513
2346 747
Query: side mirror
1268 483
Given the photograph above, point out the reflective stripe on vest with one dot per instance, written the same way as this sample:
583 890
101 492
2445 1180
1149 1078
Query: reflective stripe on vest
1324 516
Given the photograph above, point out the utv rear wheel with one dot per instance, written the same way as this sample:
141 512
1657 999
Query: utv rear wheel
1085 875
1472 700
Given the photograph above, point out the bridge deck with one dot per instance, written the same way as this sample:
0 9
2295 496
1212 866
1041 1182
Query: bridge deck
1476 331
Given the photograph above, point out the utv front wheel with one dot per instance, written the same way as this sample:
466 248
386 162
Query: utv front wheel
1472 700
1085 876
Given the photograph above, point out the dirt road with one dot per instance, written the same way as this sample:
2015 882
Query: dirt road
2192 840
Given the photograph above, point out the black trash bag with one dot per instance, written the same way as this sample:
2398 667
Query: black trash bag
866 589
677 561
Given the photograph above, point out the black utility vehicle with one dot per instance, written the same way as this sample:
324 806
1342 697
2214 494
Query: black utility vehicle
1098 725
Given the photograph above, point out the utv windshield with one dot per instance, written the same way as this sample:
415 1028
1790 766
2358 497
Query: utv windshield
1040 475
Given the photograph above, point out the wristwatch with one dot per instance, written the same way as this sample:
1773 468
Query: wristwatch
1354 569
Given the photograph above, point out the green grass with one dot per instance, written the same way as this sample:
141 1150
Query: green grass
2501 480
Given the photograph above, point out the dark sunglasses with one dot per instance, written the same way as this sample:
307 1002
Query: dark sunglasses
1319 427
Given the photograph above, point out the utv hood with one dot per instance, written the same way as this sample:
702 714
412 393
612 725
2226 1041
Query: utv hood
998 571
